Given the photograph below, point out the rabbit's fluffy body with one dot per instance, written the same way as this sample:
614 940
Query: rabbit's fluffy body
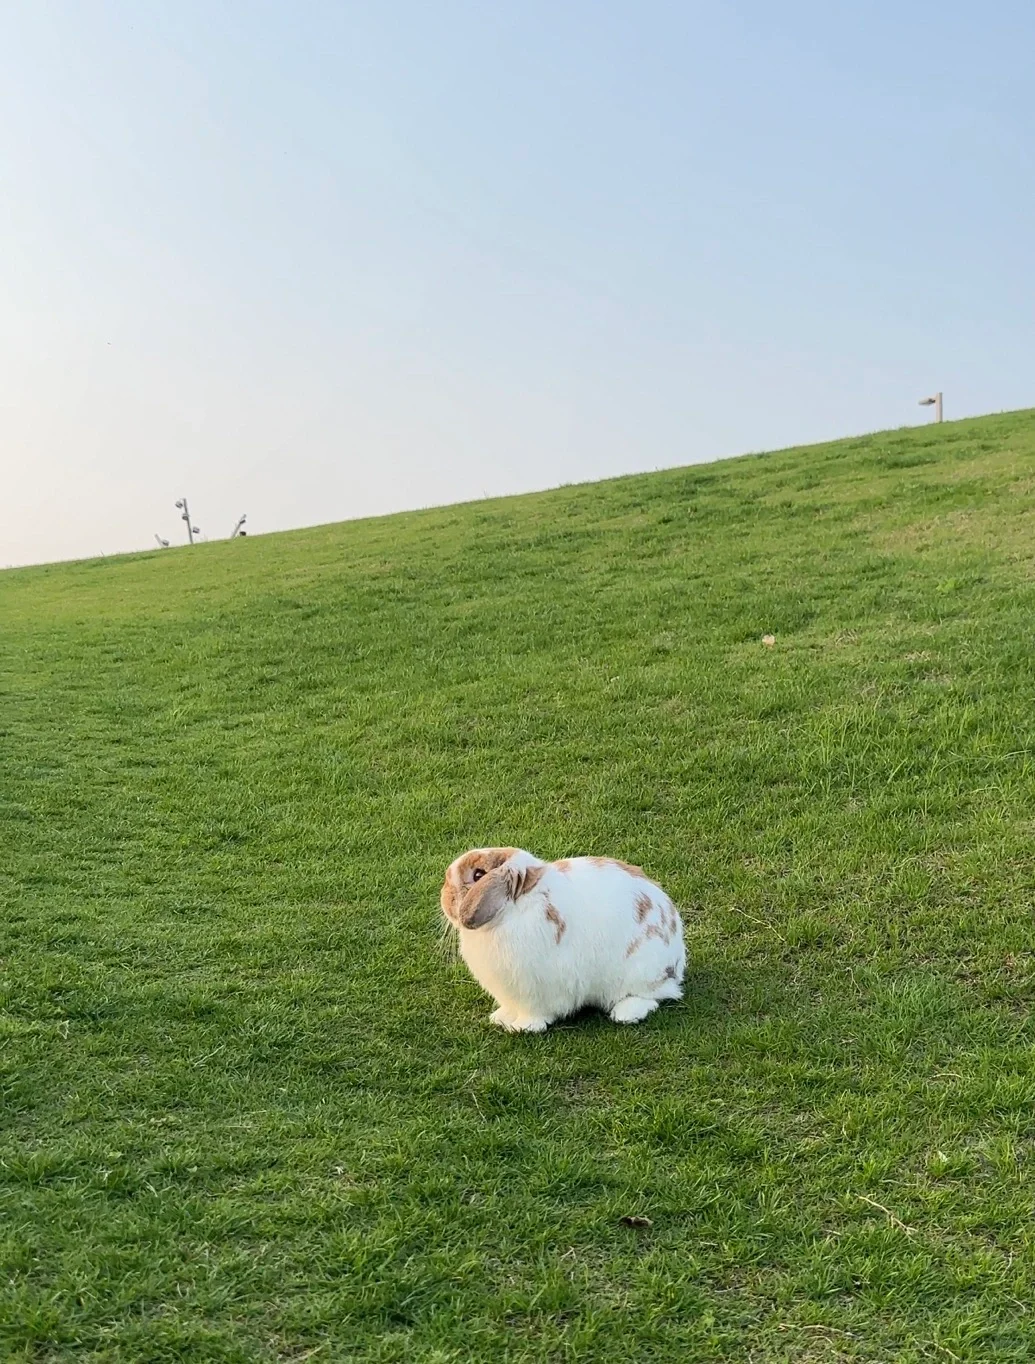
548 938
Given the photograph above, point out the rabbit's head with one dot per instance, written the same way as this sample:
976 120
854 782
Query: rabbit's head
481 883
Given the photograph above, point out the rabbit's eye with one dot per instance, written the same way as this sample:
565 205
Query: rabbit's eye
479 872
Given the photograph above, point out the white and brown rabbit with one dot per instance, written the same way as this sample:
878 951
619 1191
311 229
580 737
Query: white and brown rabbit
548 938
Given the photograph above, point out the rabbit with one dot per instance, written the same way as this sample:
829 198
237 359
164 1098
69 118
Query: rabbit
548 938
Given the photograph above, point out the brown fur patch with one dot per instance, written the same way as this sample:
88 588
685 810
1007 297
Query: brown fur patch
633 871
617 862
652 931
634 946
564 864
553 916
668 974
644 905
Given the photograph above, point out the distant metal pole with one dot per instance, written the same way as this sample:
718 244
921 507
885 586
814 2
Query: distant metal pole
182 507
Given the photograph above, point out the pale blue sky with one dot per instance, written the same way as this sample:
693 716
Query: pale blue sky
314 261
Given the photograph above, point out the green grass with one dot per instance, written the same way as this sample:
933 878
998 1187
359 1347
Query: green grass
252 1108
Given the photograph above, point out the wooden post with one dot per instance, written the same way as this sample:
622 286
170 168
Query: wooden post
936 403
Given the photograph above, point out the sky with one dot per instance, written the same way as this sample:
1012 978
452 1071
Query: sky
311 261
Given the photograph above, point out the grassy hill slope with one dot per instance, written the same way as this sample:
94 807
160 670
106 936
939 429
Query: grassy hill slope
252 1109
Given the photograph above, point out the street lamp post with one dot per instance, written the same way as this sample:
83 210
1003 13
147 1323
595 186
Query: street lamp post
185 516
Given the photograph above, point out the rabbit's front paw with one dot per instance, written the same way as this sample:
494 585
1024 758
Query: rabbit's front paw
526 1024
514 1022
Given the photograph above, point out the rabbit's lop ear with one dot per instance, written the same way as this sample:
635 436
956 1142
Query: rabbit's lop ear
486 898
494 889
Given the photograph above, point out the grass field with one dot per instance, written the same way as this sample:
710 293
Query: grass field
252 1107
